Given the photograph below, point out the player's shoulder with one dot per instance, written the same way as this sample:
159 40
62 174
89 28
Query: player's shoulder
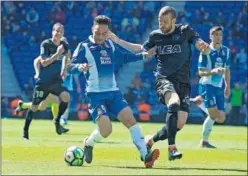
225 48
46 41
182 27
156 32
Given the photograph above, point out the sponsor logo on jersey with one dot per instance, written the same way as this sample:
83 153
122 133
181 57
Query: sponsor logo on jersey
219 62
169 49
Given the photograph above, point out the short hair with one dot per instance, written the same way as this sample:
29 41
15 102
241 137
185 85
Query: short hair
168 10
216 28
58 24
102 19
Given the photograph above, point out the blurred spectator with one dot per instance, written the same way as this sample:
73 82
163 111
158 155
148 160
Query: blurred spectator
196 19
231 20
236 102
233 49
32 41
206 19
184 21
9 7
15 27
220 19
32 16
129 96
74 42
5 107
241 59
237 33
71 6
42 36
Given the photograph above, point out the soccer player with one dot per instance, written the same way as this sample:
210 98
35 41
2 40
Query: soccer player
173 42
53 59
95 57
214 69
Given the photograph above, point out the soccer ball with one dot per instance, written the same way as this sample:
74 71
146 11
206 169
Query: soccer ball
74 156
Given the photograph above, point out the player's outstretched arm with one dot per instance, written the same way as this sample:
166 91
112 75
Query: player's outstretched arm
37 67
136 48
203 47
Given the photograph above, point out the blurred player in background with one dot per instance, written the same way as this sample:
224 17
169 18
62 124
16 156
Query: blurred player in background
173 42
53 58
213 69
95 57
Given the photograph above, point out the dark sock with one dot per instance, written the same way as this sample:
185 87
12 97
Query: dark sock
62 108
161 134
28 119
171 121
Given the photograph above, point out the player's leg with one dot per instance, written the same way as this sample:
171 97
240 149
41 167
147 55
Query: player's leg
64 117
99 116
120 109
39 95
22 106
168 95
213 114
64 96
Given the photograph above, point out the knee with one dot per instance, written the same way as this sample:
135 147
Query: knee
221 119
174 107
65 97
34 108
105 133
42 108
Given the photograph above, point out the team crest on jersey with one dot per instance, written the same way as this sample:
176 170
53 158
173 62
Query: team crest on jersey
175 37
219 62
104 58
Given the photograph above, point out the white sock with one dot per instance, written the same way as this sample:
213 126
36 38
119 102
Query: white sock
94 137
207 128
202 106
138 140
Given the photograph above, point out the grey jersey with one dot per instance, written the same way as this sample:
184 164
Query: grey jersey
173 51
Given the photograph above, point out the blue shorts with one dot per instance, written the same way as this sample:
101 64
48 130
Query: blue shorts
213 97
105 103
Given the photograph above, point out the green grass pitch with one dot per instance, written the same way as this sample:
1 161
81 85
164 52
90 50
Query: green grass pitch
116 155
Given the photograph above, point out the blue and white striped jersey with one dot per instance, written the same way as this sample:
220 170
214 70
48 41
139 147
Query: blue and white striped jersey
101 58
216 59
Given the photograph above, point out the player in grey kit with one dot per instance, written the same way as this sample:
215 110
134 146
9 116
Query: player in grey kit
173 42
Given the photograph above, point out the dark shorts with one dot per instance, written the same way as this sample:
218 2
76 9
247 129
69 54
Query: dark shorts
164 85
41 91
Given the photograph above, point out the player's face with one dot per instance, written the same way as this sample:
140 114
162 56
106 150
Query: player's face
217 37
166 22
58 32
100 33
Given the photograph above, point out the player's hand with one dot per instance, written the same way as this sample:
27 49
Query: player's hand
60 49
203 47
227 92
63 75
112 37
219 70
151 52
84 67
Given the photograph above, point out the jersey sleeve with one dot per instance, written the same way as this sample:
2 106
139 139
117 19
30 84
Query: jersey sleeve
192 35
150 43
44 50
78 57
202 62
66 47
